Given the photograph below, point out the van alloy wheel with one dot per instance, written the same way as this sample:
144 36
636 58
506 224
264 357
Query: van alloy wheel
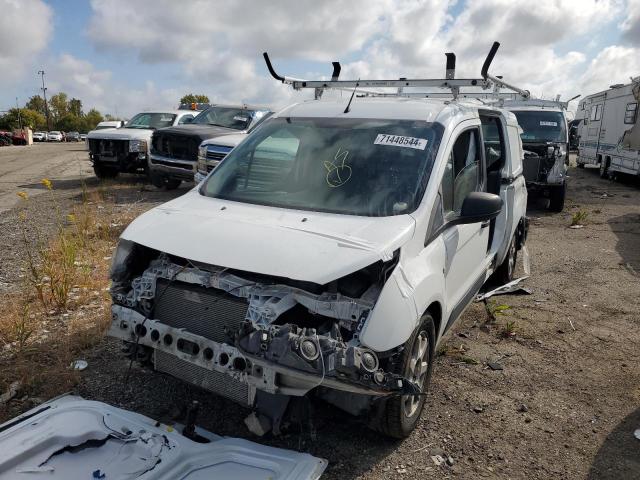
418 367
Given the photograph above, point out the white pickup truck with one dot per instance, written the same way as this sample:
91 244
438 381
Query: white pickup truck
126 149
332 248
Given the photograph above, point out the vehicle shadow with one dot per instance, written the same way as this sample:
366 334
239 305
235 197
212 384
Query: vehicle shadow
627 230
619 456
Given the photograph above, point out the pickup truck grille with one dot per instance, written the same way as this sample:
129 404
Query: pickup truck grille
181 147
108 147
217 152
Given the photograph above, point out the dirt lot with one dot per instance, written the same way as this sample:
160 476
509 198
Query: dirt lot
564 405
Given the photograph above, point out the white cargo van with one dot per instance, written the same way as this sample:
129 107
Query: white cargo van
329 251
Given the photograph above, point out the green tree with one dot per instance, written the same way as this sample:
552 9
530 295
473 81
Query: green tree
90 120
58 106
36 103
75 107
194 98
29 118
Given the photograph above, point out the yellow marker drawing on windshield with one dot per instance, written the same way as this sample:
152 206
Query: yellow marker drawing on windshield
338 173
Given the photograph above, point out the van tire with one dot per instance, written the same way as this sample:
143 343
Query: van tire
557 195
504 273
104 171
391 415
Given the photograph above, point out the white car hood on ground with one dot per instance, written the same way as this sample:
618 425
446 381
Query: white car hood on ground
72 438
308 246
122 133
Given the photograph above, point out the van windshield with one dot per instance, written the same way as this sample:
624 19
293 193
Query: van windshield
361 167
541 126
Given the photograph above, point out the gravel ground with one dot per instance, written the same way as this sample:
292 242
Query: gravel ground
564 405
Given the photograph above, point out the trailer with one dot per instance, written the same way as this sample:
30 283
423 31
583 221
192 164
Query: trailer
609 134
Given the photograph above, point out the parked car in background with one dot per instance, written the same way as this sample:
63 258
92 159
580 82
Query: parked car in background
55 136
174 151
610 134
211 152
110 124
574 134
73 137
83 136
39 137
126 149
545 140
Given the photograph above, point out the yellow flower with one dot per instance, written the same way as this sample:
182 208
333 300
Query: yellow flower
71 218
47 183
22 216
23 195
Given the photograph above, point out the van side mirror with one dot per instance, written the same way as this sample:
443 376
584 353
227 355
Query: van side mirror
479 207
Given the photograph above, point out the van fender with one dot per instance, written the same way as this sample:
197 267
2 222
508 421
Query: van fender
412 287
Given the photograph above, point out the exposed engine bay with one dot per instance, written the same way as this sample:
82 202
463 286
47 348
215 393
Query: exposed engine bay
545 163
244 335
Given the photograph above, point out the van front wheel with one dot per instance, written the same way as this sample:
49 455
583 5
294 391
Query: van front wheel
557 195
398 416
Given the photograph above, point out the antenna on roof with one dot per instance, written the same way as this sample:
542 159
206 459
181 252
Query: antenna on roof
346 110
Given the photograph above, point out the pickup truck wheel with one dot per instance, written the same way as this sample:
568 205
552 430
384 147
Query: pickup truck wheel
504 273
103 171
557 195
399 415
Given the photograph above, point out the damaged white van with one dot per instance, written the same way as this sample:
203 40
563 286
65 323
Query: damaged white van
328 253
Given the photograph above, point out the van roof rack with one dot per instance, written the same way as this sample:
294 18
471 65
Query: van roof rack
450 83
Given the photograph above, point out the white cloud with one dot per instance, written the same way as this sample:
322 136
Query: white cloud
631 25
614 64
25 29
216 46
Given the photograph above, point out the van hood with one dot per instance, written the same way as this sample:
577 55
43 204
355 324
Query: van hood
307 246
123 133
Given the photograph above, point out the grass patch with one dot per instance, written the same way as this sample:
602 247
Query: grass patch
62 307
579 218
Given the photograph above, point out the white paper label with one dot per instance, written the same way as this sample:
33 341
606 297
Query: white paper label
401 141
548 124
239 118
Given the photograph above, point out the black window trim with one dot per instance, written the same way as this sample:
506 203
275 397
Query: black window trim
634 116
449 220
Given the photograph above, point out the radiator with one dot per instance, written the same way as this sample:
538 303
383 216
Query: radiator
215 382
199 310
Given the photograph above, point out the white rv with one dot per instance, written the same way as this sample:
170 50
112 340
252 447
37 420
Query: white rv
605 135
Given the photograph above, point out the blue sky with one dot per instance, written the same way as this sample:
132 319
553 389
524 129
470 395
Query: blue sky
122 56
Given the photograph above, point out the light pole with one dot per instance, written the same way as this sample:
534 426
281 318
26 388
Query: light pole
46 105
19 116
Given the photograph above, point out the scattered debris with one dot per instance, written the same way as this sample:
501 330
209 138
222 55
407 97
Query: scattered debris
478 409
11 392
511 287
576 226
637 434
523 408
450 460
79 365
437 459
495 366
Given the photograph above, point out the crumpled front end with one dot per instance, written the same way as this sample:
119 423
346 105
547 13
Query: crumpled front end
545 164
242 335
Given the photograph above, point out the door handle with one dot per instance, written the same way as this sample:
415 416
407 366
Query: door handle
485 224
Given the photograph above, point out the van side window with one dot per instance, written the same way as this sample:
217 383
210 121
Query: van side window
631 113
494 148
596 113
462 172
